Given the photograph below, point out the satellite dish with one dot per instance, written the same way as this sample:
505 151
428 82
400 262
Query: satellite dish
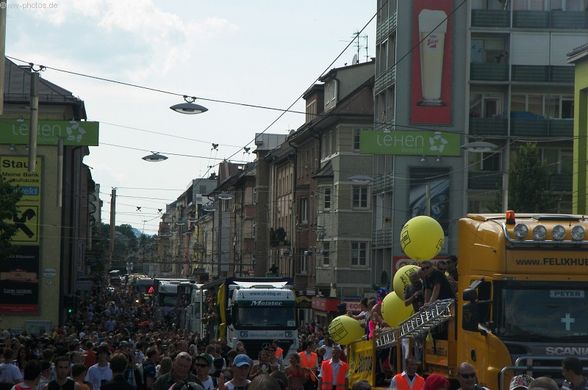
355 60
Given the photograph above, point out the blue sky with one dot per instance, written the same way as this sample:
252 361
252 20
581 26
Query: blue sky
250 51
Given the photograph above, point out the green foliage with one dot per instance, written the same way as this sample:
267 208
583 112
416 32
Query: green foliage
529 182
9 197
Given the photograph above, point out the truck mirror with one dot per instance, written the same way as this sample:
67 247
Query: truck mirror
470 294
470 316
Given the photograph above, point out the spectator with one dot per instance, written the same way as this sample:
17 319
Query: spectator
78 373
45 376
436 382
9 372
149 368
408 379
572 373
118 365
334 372
180 373
32 372
62 381
240 372
466 375
297 376
309 361
543 383
202 364
520 382
264 382
100 372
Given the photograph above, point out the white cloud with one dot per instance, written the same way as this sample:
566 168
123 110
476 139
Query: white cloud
170 38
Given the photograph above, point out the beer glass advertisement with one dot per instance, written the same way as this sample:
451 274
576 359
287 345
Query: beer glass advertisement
429 194
19 278
432 62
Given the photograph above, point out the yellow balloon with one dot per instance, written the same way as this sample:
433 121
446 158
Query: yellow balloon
402 278
345 330
394 311
421 238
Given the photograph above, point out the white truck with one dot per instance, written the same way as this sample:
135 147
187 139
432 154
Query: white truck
166 299
257 311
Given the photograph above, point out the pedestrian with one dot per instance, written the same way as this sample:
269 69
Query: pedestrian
436 382
78 373
202 364
467 377
31 374
333 374
45 376
100 372
543 383
296 374
408 379
520 382
62 380
149 368
309 360
164 366
240 371
9 372
118 364
572 373
180 373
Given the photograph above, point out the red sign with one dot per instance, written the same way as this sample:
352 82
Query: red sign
432 62
353 306
325 304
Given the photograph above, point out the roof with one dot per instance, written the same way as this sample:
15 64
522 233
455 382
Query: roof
578 53
326 171
17 89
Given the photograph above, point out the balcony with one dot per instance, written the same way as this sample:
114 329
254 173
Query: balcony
569 20
490 18
489 72
383 183
543 73
485 180
385 79
488 126
560 183
385 28
541 127
382 238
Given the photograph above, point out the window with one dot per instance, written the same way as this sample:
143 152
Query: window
327 198
303 211
356 139
311 110
359 254
326 252
360 197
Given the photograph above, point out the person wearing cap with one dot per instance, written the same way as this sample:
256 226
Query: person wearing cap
240 370
520 382
100 372
201 366
180 373
572 373
333 374
408 379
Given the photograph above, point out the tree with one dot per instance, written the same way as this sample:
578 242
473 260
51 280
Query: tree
529 182
9 197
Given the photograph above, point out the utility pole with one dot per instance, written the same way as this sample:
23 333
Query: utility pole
112 226
34 119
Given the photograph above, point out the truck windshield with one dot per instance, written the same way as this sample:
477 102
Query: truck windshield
267 317
167 300
543 313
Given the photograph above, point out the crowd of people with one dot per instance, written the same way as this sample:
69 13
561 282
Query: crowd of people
112 341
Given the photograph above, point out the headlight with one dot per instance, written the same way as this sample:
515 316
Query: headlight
558 232
578 233
521 231
539 233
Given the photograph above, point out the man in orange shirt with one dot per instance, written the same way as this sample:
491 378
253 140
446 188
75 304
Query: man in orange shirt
408 379
309 360
334 372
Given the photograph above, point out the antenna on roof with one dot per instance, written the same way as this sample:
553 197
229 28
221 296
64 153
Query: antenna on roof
355 59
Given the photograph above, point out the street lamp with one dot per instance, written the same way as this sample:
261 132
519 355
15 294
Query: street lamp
189 107
155 157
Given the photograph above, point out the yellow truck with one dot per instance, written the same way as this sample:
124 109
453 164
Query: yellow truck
522 300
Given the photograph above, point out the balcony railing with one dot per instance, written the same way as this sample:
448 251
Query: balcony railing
568 20
490 18
542 127
488 126
385 28
382 237
489 72
485 180
543 73
385 80
383 183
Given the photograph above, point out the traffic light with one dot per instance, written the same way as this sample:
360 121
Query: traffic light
69 302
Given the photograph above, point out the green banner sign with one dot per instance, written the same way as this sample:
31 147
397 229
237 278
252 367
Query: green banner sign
73 133
410 143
